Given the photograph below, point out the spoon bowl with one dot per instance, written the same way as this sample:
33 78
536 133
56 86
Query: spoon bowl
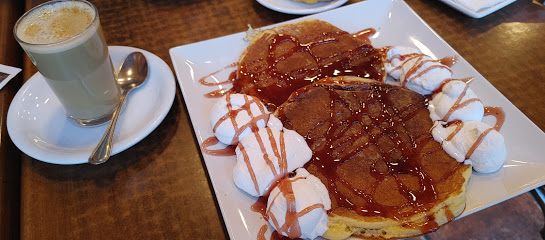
133 73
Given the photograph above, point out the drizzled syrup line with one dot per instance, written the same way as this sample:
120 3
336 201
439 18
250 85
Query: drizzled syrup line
334 131
449 214
437 149
416 70
216 93
341 62
409 76
447 61
412 76
498 113
459 125
273 60
458 104
418 65
402 57
427 185
477 143
230 80
249 166
323 36
263 149
231 114
222 91
291 223
467 80
279 150
211 141
291 226
261 233
365 34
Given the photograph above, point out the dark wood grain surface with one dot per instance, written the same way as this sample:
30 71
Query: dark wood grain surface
159 189
10 163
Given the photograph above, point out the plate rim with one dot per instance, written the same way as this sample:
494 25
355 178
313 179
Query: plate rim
333 4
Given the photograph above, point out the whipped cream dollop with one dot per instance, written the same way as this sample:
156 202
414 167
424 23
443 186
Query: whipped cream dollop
297 207
456 101
466 138
236 115
267 156
416 71
474 143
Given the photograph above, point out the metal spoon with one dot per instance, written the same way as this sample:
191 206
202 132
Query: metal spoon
132 74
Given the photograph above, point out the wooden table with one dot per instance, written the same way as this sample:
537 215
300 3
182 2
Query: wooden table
159 189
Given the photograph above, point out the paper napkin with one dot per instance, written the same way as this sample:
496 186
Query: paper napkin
477 5
6 74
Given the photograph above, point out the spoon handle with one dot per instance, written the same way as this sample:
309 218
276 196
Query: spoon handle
103 150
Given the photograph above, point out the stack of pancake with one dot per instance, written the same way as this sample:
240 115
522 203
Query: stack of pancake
283 59
372 148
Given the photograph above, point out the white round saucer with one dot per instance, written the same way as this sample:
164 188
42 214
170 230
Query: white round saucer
38 125
300 8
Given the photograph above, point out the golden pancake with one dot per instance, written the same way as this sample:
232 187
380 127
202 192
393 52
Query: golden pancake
283 59
386 176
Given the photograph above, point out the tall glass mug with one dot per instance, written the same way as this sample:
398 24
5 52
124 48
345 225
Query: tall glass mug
64 40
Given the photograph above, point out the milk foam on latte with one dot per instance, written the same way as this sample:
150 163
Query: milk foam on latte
56 22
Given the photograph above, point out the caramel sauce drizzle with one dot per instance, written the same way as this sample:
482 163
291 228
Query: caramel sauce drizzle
449 214
291 226
477 143
276 236
249 166
260 206
449 61
418 66
279 152
342 64
459 126
445 63
230 80
467 80
328 163
261 234
216 93
211 141
365 34
497 112
231 115
219 92
459 104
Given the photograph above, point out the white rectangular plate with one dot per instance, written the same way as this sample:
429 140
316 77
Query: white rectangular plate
396 24
477 14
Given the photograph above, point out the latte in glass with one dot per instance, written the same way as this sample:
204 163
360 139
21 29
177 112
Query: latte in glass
65 41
